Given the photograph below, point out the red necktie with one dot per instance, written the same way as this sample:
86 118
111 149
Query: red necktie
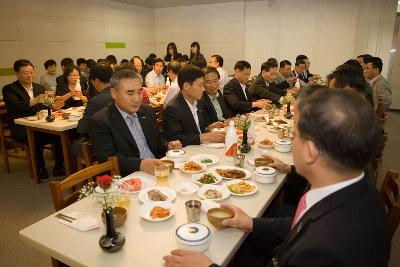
300 208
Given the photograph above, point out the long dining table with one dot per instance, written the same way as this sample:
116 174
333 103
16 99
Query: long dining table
147 242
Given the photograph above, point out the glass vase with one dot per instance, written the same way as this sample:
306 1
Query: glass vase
288 114
245 147
50 117
112 241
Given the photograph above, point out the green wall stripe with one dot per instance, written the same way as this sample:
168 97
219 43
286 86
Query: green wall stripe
6 71
115 45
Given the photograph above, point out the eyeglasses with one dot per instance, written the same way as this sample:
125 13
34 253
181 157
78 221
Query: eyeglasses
74 76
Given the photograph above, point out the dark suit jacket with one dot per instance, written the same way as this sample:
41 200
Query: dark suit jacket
179 124
235 97
260 90
347 228
94 105
305 75
17 100
206 105
110 136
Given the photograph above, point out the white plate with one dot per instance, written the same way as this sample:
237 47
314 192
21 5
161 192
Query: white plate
215 145
223 190
186 188
265 146
213 169
146 183
203 167
196 177
169 192
144 210
238 181
198 158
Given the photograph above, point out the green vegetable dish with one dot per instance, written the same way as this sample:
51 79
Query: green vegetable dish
208 179
206 161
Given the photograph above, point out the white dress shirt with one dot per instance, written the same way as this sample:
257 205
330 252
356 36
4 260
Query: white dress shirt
223 78
193 109
244 90
29 91
154 80
172 92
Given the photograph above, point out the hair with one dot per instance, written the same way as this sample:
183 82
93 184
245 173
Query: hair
376 62
174 66
197 45
112 59
80 61
188 74
149 60
101 72
354 63
66 61
125 66
49 62
365 56
266 66
68 69
22 63
158 60
349 75
301 57
199 61
132 61
90 63
284 63
308 90
124 60
208 70
174 48
102 59
299 62
241 65
122 74
219 59
273 60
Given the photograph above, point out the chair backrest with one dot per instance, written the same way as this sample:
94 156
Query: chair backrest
87 155
390 193
66 192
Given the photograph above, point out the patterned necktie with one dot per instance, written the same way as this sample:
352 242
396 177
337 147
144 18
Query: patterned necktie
217 108
300 208
137 133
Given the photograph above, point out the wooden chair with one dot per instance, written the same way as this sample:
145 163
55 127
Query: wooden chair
66 192
7 143
88 158
390 193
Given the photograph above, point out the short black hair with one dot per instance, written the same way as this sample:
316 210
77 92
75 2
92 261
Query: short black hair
241 65
125 66
219 59
348 136
273 60
112 59
349 75
208 70
174 66
284 63
49 62
158 60
188 74
301 57
299 62
123 74
364 56
376 62
22 63
90 63
66 61
199 61
355 64
80 61
267 65
68 69
101 72
124 60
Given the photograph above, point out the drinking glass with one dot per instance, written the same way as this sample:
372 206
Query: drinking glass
161 172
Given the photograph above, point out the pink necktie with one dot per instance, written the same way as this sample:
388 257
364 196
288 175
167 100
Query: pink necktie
300 208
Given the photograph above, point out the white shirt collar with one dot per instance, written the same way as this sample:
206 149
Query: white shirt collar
125 114
193 109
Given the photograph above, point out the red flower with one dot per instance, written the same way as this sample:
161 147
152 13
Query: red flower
104 181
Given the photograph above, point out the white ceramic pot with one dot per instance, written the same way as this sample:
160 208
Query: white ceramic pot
177 155
193 236
283 145
265 175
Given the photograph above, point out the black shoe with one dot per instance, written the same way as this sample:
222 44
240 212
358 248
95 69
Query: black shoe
43 174
58 172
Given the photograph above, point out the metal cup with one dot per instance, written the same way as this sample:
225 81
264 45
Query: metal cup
239 160
193 208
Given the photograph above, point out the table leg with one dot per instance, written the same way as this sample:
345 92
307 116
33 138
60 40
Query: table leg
65 143
32 150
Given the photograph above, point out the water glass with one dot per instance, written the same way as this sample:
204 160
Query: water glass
161 172
193 208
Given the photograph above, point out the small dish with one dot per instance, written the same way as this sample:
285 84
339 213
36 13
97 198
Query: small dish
135 184
206 159
119 216
146 208
185 165
169 192
214 169
186 188
232 191
198 176
266 144
201 193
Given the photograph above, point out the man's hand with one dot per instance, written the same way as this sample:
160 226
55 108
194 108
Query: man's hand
57 105
212 137
292 79
217 124
185 258
174 145
262 103
278 164
240 219
36 100
148 165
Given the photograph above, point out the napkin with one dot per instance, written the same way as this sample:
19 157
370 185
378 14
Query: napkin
82 223
207 204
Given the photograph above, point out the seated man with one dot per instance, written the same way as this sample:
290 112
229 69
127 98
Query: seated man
172 71
22 99
236 93
128 129
341 219
264 87
299 68
306 76
155 79
285 79
182 119
212 102
217 62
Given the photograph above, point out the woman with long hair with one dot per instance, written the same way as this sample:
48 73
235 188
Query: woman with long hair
172 53
195 50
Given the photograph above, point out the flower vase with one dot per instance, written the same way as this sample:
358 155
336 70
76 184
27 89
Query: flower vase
245 147
288 114
50 117
112 241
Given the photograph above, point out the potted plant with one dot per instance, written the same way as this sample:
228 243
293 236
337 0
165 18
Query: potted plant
243 122
288 100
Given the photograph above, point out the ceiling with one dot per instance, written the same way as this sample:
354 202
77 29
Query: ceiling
173 3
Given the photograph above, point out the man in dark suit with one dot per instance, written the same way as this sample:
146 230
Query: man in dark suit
182 119
340 221
264 86
236 92
306 75
212 102
128 129
23 98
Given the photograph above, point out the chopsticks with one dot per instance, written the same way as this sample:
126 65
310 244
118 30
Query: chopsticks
65 217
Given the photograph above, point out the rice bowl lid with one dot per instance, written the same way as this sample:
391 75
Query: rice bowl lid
265 171
283 142
176 153
193 234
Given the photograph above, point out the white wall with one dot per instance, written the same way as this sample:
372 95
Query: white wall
43 29
219 28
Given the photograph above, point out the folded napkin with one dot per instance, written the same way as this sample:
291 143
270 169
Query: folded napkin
207 204
82 223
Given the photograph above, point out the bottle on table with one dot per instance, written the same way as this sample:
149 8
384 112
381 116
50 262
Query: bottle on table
230 142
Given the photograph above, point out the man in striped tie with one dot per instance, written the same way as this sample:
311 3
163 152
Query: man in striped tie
340 221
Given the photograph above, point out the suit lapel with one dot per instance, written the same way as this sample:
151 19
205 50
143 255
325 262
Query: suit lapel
239 90
120 124
188 113
210 106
